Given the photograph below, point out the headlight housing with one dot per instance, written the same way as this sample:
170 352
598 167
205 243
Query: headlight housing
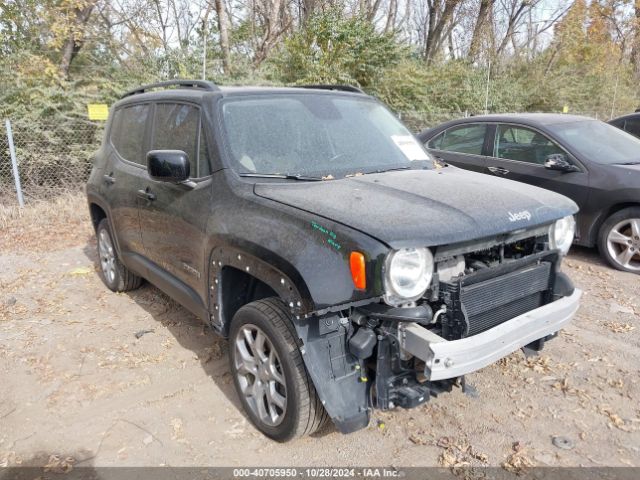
561 234
407 275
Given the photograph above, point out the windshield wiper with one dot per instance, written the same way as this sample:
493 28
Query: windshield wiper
628 163
392 169
285 176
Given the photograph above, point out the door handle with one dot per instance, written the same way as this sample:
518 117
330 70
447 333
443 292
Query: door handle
108 179
498 170
146 195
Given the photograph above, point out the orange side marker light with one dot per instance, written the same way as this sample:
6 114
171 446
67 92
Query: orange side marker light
358 270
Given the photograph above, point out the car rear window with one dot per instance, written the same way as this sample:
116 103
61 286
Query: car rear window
127 135
632 125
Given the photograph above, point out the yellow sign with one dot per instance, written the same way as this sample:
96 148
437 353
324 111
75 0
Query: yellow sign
565 109
98 111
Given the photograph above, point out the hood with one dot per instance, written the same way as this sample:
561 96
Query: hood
424 207
632 169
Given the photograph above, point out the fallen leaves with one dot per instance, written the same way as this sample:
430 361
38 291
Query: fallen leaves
616 421
59 464
517 461
81 271
178 431
458 453
617 327
541 364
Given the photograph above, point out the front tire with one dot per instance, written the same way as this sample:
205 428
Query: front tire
619 240
269 373
115 275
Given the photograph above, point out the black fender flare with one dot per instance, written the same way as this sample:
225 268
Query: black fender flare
97 199
286 282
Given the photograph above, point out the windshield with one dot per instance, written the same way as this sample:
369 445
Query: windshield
600 142
317 135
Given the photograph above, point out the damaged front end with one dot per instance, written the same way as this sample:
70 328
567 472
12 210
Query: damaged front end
484 300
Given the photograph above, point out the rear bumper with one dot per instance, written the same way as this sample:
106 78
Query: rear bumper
449 359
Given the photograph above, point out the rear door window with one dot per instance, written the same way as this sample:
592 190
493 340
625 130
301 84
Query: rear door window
467 139
177 127
128 133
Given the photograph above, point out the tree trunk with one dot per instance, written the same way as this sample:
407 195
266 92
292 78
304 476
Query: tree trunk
274 23
74 37
635 50
438 21
514 17
223 29
390 25
486 6
308 9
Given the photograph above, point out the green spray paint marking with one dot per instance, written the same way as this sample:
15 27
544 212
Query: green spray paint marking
329 233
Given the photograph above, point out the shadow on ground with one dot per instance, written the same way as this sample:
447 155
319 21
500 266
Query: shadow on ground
191 333
48 466
589 255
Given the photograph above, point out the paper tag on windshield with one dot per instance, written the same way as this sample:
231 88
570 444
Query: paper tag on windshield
410 147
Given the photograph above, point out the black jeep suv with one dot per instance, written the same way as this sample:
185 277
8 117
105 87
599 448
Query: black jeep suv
308 226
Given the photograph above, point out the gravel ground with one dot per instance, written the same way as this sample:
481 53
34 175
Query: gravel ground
77 388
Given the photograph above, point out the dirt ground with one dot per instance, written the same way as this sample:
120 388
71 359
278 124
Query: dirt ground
78 388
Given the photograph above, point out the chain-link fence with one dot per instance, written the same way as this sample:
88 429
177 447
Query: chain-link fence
52 158
55 158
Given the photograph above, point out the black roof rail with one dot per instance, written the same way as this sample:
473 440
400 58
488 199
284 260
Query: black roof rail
342 88
202 84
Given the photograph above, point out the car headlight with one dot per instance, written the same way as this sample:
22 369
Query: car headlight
407 275
561 234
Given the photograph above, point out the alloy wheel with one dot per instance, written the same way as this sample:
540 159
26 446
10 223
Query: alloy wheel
260 376
107 256
623 243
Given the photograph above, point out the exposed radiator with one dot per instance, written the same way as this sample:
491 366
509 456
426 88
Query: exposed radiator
475 306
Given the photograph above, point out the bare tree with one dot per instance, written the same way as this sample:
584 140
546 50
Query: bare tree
434 22
635 50
273 19
223 31
482 22
74 34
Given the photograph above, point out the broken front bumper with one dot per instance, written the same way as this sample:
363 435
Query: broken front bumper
449 359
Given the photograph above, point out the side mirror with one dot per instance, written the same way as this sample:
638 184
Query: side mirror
559 162
168 165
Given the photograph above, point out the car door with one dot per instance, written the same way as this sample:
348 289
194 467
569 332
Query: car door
462 145
519 153
123 174
173 217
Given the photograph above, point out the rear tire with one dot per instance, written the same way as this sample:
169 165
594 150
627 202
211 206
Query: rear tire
269 373
114 274
619 240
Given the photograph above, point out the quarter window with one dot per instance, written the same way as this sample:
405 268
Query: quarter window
127 135
524 145
461 139
632 125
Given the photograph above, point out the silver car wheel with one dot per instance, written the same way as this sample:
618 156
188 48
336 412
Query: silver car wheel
260 376
107 256
623 243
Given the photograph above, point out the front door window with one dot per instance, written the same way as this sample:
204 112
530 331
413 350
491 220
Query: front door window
524 145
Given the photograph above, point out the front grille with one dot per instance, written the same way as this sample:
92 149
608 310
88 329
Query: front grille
479 302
